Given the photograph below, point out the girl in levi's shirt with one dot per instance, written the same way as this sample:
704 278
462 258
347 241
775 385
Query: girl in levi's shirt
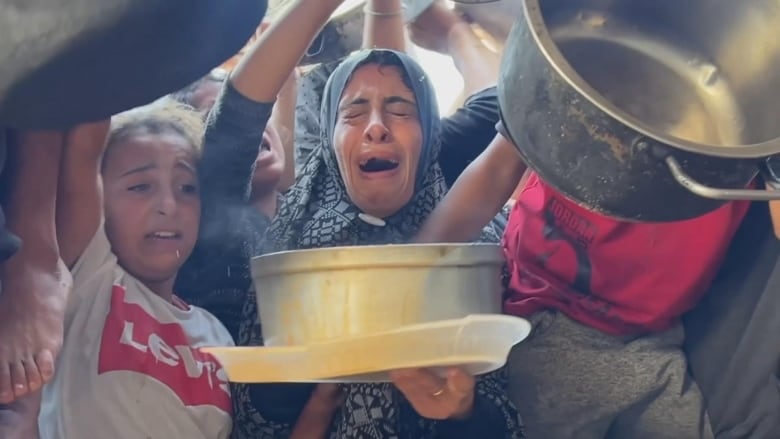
129 366
128 214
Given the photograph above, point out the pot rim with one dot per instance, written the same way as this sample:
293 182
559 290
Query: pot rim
535 20
376 256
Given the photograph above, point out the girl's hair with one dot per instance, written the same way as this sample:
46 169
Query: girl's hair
163 116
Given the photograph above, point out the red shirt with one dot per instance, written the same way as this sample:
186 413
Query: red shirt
616 276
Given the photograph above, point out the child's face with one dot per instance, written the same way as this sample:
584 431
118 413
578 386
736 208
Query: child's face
269 164
152 204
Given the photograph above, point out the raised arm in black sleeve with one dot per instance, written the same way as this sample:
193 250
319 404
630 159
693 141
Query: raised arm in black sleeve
468 132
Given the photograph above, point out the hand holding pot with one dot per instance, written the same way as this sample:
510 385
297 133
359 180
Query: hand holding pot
434 397
432 28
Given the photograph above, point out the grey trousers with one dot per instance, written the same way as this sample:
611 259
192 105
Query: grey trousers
570 381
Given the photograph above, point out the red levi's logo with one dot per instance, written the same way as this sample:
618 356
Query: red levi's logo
133 340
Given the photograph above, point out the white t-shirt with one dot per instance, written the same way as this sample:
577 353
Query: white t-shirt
128 368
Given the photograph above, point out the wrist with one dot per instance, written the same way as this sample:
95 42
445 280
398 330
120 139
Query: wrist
383 9
394 7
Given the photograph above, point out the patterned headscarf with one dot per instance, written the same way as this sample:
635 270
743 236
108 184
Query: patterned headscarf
317 212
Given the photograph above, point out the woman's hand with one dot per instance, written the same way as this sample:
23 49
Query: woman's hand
434 397
432 28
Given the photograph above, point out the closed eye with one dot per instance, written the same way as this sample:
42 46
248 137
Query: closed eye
401 109
352 115
143 187
400 113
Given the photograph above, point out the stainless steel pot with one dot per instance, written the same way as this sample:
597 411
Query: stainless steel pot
310 296
640 109
343 34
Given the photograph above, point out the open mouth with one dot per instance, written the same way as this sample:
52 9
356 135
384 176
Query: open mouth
375 164
164 235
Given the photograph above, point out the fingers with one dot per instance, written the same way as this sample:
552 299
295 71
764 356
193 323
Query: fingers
34 380
461 385
19 379
45 362
434 397
418 383
6 388
459 382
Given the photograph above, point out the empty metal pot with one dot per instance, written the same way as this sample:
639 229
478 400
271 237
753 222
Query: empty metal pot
308 296
640 109
343 33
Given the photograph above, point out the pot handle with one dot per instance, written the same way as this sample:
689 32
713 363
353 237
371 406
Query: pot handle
717 193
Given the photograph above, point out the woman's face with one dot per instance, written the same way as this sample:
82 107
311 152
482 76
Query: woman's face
152 205
378 139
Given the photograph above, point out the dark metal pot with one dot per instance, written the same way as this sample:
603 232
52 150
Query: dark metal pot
649 110
67 62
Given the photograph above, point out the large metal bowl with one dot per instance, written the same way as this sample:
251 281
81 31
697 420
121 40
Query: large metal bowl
309 296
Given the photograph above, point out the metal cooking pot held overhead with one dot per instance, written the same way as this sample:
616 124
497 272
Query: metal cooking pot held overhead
67 62
650 110
343 33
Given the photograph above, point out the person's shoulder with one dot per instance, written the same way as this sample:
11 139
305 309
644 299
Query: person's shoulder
489 93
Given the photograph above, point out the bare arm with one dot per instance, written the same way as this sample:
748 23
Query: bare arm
283 118
478 64
440 29
32 201
80 192
279 49
315 419
384 25
35 282
477 196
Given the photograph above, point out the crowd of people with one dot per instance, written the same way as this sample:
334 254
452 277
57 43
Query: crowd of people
142 255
